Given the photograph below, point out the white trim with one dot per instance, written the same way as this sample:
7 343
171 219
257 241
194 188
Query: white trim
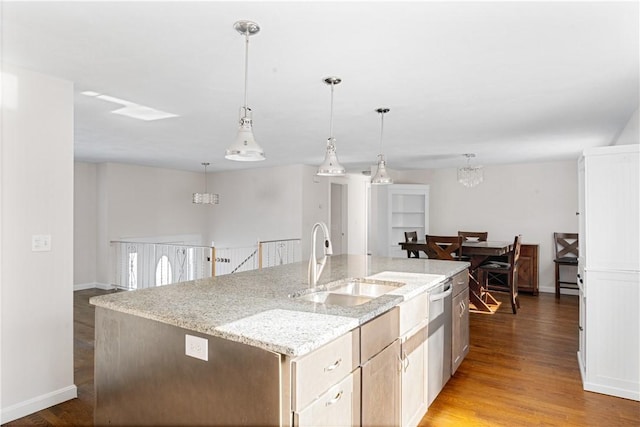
38 403
92 285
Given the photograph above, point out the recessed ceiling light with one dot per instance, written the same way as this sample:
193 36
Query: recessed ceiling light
90 93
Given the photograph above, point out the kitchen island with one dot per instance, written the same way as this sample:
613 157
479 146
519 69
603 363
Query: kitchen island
250 337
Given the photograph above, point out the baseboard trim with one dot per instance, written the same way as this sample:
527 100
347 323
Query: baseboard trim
92 285
38 403
563 291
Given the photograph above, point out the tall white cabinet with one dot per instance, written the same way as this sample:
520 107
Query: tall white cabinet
397 208
609 270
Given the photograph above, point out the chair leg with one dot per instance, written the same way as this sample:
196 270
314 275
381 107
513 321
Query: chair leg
557 280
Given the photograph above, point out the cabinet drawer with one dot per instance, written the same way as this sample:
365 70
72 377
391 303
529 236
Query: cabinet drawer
378 333
460 282
315 372
338 406
413 312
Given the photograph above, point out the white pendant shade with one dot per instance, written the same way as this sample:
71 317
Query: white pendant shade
381 177
245 148
331 166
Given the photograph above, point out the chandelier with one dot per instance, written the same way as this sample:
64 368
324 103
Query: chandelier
205 198
470 176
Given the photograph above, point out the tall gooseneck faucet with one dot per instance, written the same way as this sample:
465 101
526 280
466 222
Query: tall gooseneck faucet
315 266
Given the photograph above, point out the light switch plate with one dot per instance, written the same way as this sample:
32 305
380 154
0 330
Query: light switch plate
197 347
41 242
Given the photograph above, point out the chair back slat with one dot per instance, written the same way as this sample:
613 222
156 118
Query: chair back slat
410 236
443 247
481 236
566 244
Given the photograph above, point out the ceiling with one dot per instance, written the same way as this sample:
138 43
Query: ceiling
509 81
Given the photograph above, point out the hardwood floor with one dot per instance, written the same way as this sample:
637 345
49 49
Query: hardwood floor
521 371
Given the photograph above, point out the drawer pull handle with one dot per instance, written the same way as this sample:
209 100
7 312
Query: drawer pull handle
405 361
334 366
335 399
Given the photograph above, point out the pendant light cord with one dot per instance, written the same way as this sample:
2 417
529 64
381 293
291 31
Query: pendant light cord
205 176
381 129
331 116
246 69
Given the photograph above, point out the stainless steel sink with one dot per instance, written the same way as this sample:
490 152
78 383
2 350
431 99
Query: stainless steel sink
350 292
335 299
364 289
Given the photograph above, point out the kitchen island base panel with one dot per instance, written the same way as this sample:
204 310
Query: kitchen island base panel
144 377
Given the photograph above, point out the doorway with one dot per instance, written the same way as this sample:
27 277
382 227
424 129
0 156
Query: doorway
338 220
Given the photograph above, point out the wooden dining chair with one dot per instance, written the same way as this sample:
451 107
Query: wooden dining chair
503 276
444 247
480 236
566 247
411 236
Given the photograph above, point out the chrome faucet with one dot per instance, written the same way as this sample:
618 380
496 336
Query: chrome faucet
315 266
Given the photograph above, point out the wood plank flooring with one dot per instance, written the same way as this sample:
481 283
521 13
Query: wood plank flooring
521 371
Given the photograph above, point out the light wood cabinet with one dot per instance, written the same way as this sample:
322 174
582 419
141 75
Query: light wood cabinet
316 372
381 388
460 320
338 406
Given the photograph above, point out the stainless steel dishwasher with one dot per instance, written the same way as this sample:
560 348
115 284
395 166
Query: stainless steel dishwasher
439 342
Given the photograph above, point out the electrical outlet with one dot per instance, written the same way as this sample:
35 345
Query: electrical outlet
197 347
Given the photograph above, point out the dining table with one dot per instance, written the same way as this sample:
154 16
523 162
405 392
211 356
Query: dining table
477 252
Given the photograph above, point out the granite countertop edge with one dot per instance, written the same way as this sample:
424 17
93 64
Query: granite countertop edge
254 307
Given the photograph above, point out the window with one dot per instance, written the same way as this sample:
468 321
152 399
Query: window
163 271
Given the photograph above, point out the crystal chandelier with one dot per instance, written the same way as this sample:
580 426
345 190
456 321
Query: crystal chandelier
470 176
381 177
205 198
331 166
245 148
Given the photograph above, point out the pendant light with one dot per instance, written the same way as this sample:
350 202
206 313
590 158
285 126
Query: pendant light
205 198
381 177
331 166
245 148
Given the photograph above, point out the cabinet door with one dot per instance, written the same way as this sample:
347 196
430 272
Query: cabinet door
339 406
528 269
313 373
381 388
414 377
582 334
460 329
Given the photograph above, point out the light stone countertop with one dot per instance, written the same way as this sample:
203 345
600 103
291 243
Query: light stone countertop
259 307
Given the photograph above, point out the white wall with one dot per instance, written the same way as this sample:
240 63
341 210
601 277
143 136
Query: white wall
256 204
315 205
137 202
37 287
85 225
631 132
533 199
